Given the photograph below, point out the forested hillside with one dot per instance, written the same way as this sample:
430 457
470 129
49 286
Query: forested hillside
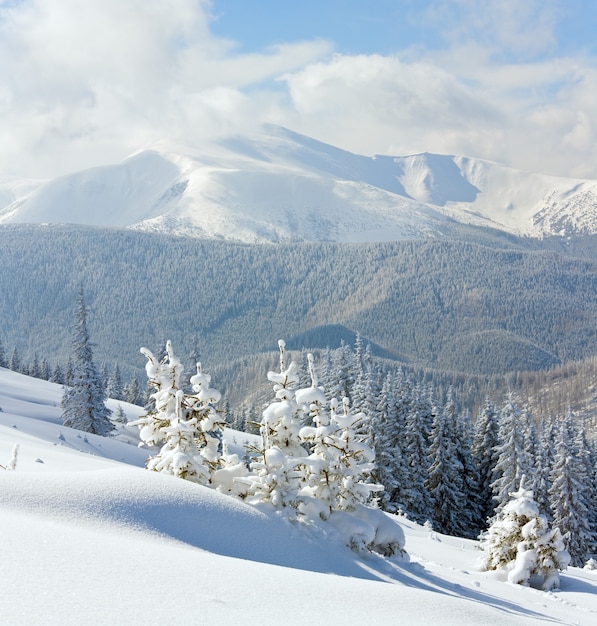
496 306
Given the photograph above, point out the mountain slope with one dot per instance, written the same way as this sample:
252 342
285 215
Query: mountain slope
89 538
282 186
434 303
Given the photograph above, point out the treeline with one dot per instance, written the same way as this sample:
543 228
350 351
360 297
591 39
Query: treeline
111 378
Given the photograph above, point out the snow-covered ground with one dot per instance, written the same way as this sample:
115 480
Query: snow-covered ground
90 537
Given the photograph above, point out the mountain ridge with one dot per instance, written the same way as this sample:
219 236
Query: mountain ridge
280 186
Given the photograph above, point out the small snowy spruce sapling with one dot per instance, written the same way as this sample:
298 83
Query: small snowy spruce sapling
275 477
333 484
186 425
339 461
356 460
520 542
84 396
320 482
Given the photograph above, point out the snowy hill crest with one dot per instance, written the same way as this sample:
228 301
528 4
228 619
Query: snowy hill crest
281 186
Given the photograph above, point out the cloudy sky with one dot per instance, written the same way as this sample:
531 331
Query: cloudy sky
87 83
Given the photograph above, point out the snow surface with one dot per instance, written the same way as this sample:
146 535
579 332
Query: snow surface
282 186
89 537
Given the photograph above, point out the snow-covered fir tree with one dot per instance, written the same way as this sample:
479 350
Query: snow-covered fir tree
388 437
318 495
586 455
186 425
69 373
15 363
485 442
3 361
521 542
83 401
275 477
356 460
57 375
365 393
44 370
132 391
568 493
34 369
531 444
114 387
390 443
416 497
342 372
472 515
444 480
120 415
544 457
512 461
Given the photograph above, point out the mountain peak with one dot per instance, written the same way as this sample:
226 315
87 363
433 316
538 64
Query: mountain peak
283 186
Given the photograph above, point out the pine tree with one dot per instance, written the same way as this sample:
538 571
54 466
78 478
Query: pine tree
512 461
471 508
520 541
567 495
444 481
276 478
3 361
132 391
83 400
114 385
417 500
485 442
15 363
186 425
57 375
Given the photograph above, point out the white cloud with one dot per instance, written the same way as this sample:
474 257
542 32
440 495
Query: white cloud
85 83
503 27
533 116
88 83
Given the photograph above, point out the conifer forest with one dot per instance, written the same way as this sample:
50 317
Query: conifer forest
445 383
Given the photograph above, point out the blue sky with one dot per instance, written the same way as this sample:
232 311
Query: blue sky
390 26
513 81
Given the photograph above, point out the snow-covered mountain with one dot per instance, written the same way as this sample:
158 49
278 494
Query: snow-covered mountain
89 537
282 186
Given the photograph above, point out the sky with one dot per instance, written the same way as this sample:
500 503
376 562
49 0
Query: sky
84 84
